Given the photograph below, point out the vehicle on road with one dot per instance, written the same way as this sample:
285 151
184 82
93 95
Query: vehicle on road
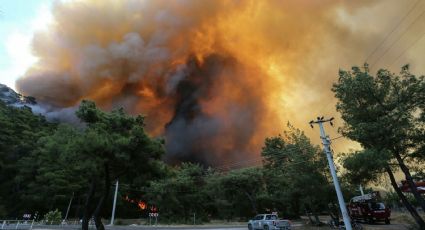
268 222
369 209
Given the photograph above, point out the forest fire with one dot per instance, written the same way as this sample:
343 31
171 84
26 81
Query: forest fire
207 75
141 204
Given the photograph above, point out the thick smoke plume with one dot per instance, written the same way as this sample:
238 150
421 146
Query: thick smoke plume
214 77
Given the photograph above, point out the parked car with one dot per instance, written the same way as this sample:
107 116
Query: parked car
268 222
368 208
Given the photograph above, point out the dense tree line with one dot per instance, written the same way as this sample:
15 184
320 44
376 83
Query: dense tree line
289 182
45 164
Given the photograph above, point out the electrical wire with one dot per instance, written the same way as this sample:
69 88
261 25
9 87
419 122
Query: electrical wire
402 35
401 54
392 31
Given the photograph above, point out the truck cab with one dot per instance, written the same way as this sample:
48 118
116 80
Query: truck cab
368 208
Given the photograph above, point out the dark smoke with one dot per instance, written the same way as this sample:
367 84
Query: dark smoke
192 134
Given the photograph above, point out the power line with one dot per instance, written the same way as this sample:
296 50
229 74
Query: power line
392 31
416 41
402 35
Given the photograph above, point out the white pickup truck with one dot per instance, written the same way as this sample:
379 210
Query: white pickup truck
268 222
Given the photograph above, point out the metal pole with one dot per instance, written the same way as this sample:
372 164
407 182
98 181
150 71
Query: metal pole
194 218
361 190
326 143
115 203
69 207
32 224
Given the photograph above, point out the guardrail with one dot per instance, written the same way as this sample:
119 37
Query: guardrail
30 224
16 224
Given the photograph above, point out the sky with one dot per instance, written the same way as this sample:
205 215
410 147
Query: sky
19 19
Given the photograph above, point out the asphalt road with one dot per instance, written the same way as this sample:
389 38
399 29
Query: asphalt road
200 227
50 227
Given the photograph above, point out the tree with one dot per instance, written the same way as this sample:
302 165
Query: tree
20 130
242 189
113 145
181 194
53 217
52 171
294 171
360 169
385 114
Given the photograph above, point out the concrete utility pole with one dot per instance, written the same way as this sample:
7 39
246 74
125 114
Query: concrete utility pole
115 203
361 190
69 207
326 147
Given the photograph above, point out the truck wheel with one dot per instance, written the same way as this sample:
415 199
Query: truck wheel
266 227
387 221
250 227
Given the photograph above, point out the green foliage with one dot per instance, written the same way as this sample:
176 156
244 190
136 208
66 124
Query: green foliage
53 217
383 112
290 182
43 164
116 139
54 163
293 163
361 169
20 130
181 194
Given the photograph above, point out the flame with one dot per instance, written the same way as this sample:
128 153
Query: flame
141 204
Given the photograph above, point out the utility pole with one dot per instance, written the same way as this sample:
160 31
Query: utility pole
361 190
326 141
114 205
69 207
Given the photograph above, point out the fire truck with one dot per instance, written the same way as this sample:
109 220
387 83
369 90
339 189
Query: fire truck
420 186
368 208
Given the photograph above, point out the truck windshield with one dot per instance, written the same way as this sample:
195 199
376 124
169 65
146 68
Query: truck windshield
271 217
258 217
377 206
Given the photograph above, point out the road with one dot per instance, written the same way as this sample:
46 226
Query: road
295 226
50 227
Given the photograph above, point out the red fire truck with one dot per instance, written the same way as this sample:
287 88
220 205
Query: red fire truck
369 209
420 186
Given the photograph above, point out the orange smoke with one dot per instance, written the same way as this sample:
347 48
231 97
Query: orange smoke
213 77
